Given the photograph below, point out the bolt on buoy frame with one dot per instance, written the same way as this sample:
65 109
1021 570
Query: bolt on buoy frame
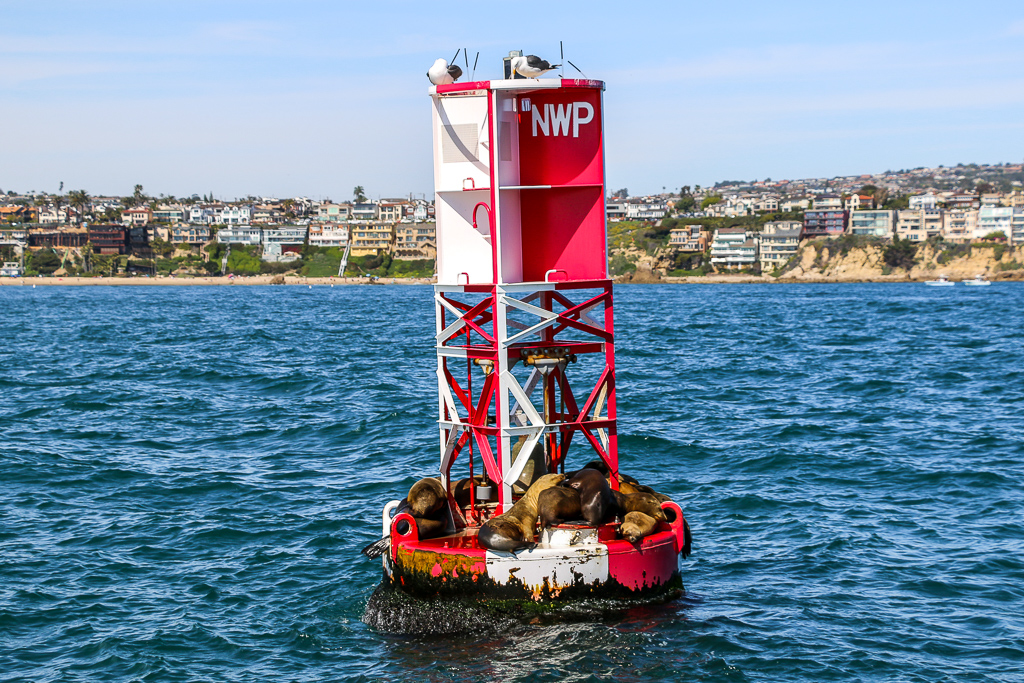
483 334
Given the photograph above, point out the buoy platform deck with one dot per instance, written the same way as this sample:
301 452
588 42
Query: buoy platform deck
569 561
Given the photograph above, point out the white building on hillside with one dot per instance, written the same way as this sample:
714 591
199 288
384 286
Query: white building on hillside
328 235
733 248
778 242
994 219
243 234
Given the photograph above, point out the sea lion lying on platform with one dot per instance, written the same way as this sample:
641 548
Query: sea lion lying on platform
426 503
597 502
557 505
627 484
637 525
514 529
647 503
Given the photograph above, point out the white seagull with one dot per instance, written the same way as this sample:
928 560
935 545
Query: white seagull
532 66
442 74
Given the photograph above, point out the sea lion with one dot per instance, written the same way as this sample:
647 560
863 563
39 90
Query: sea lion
597 502
637 525
557 505
627 484
647 503
514 529
426 497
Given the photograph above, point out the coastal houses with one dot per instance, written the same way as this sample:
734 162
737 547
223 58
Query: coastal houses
249 235
958 225
283 243
415 241
994 219
329 212
825 222
918 225
371 238
688 238
778 242
733 249
873 222
325 235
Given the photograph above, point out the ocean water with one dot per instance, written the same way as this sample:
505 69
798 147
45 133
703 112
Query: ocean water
187 475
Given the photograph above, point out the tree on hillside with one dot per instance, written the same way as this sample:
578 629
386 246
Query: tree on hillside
44 261
359 194
138 196
621 194
897 202
900 254
686 203
710 200
868 190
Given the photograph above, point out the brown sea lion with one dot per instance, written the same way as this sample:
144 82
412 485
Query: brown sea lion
647 503
637 525
627 484
426 497
514 529
557 505
597 502
627 488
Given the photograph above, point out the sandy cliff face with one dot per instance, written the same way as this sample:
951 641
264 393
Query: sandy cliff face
831 263
838 262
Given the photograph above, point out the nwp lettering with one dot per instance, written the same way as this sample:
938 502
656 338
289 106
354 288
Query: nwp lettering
559 117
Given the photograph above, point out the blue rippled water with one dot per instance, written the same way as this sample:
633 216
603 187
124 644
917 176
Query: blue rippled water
187 475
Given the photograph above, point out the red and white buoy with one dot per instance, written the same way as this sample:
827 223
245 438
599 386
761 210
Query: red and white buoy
525 344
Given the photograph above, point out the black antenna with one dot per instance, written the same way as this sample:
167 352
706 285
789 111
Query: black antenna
561 59
465 53
456 55
578 69
474 64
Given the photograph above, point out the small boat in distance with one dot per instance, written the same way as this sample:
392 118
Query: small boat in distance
943 281
978 281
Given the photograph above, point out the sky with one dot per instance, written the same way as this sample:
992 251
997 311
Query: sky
313 98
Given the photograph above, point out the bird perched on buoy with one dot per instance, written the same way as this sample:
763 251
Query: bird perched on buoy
532 66
442 74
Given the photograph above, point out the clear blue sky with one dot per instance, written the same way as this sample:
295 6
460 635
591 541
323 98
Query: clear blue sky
312 98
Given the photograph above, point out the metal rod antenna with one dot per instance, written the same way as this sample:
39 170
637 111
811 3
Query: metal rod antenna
578 69
561 59
473 77
465 53
456 55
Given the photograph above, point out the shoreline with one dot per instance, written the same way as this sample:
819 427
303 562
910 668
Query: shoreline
242 281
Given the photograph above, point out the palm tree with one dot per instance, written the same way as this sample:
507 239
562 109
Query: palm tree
79 198
138 196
